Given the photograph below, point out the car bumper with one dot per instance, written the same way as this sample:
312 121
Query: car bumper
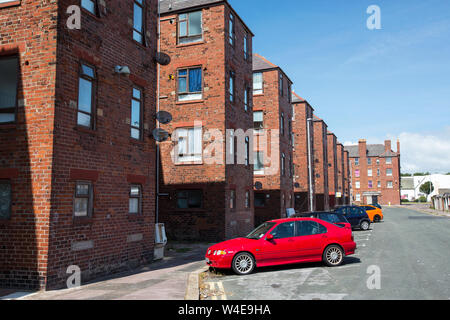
220 262
349 248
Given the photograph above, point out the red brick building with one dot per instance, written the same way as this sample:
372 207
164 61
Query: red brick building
272 114
76 163
333 187
303 172
340 174
347 178
321 190
375 171
206 168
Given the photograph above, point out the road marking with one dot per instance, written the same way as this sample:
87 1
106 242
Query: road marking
219 293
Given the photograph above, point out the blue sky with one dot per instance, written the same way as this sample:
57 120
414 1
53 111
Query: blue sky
380 84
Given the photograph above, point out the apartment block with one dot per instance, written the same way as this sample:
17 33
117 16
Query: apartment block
272 114
375 171
347 178
206 172
333 188
321 164
340 174
77 106
302 128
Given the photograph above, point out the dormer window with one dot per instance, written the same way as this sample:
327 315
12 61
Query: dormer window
190 27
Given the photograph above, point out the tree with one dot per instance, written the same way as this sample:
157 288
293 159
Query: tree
427 188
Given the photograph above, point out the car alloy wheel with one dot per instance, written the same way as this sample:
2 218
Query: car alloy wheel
365 225
243 264
377 219
333 256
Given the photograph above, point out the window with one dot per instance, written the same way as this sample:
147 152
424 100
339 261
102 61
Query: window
284 230
5 199
357 173
356 161
389 160
369 173
281 85
378 161
283 164
282 123
138 21
247 199
89 5
83 203
379 184
389 172
289 92
370 184
309 228
190 84
390 185
246 51
258 120
86 96
247 98
258 83
357 185
291 167
358 197
232 199
231 30
231 87
190 145
259 163
369 161
135 202
260 200
136 114
247 151
189 199
9 78
378 172
190 27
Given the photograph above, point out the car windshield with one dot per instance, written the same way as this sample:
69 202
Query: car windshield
259 232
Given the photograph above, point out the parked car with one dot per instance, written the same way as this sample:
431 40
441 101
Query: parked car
285 241
332 217
378 206
375 214
357 216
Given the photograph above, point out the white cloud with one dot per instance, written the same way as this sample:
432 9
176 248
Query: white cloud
425 152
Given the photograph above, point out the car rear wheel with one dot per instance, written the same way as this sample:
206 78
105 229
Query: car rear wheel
377 218
243 263
333 256
365 225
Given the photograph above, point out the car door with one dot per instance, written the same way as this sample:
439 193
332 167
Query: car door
282 247
310 238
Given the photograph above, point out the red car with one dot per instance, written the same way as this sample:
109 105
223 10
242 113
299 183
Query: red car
284 241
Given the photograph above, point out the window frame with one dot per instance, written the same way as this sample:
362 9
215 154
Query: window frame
8 183
93 81
187 93
144 22
89 196
260 196
189 193
232 86
96 9
246 47
179 21
15 107
247 97
179 156
232 29
247 200
258 91
141 112
139 197
233 203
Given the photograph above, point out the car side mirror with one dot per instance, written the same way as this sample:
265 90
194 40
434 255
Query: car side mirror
269 237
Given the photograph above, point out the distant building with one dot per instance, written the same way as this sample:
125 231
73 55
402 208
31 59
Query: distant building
441 201
375 173
410 186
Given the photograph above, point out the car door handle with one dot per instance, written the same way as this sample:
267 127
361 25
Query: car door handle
324 237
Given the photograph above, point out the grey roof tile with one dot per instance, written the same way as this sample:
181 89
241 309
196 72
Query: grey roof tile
167 6
373 150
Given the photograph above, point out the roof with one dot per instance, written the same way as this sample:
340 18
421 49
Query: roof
373 150
167 6
407 183
261 64
296 98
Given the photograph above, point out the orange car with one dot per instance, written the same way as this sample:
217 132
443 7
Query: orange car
375 214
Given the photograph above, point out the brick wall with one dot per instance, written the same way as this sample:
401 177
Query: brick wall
321 164
332 168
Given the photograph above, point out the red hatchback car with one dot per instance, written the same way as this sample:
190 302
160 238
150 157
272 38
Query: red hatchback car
284 241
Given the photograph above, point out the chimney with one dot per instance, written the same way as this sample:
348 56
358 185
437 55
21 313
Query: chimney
387 145
362 148
398 146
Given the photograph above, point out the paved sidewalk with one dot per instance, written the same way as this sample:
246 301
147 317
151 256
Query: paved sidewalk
162 280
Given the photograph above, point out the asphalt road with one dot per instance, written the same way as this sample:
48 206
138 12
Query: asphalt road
409 249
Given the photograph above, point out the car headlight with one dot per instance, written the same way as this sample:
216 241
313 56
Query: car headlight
219 253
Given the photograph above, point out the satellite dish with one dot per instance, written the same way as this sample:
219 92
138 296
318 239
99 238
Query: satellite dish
164 117
160 135
162 58
297 185
258 186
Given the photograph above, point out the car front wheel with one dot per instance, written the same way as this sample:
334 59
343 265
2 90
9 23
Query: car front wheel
365 225
243 263
333 256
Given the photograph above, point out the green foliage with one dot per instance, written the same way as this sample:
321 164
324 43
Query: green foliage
427 188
